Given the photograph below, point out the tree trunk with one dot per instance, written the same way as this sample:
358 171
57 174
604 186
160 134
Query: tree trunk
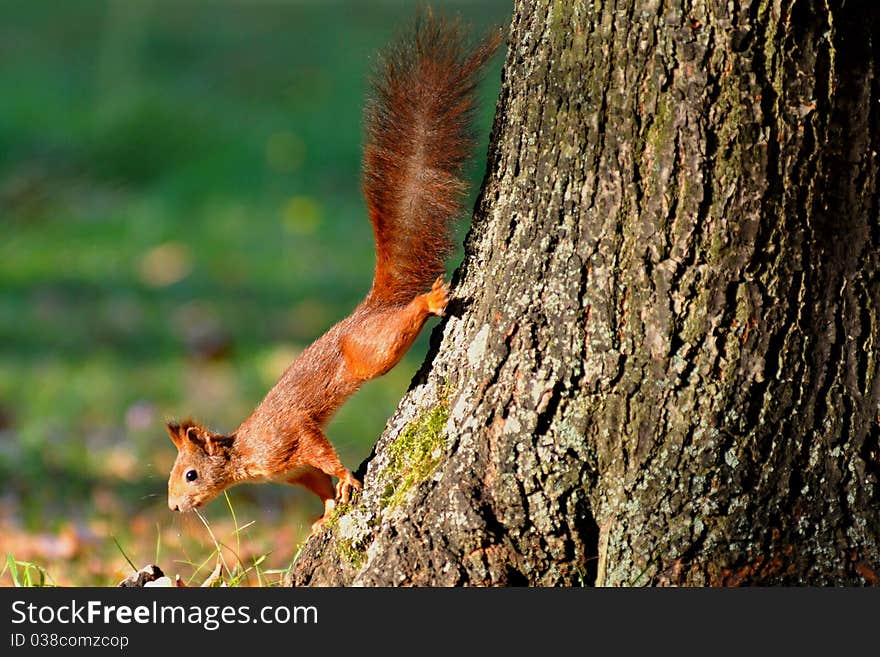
661 363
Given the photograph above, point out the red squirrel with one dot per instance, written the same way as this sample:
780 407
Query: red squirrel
418 137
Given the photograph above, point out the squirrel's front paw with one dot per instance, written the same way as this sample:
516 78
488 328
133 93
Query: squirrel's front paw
344 486
438 297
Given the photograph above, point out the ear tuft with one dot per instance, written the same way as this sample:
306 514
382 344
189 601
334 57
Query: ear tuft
174 431
187 424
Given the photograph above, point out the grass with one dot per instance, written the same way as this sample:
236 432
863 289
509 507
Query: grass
179 196
25 573
222 574
233 564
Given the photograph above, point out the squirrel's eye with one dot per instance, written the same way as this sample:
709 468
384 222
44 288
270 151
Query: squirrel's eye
191 475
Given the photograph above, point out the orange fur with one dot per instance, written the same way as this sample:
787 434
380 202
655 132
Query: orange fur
418 138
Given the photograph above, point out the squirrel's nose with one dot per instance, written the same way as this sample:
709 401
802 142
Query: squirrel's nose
173 506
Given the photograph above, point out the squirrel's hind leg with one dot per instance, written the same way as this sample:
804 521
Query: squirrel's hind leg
383 335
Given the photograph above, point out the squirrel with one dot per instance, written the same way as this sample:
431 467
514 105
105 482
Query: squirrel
418 138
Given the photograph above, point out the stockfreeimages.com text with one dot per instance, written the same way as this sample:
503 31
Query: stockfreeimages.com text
210 617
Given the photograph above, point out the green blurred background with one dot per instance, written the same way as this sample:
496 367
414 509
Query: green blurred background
181 213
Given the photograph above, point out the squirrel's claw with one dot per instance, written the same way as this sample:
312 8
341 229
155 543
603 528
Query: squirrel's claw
343 494
329 506
437 298
344 486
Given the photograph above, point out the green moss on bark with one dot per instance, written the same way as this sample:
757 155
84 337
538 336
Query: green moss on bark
415 454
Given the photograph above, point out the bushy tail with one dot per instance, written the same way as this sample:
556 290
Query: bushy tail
418 137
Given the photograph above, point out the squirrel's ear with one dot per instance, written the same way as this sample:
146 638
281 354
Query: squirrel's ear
192 434
216 443
174 431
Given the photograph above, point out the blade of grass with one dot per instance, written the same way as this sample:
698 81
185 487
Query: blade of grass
218 550
45 574
217 547
238 529
235 581
241 565
257 570
299 549
13 569
283 572
198 568
122 552
234 523
243 527
214 577
33 574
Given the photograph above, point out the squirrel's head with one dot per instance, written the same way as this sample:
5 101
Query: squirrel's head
201 470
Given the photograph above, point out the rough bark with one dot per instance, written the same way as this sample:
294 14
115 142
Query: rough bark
660 366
